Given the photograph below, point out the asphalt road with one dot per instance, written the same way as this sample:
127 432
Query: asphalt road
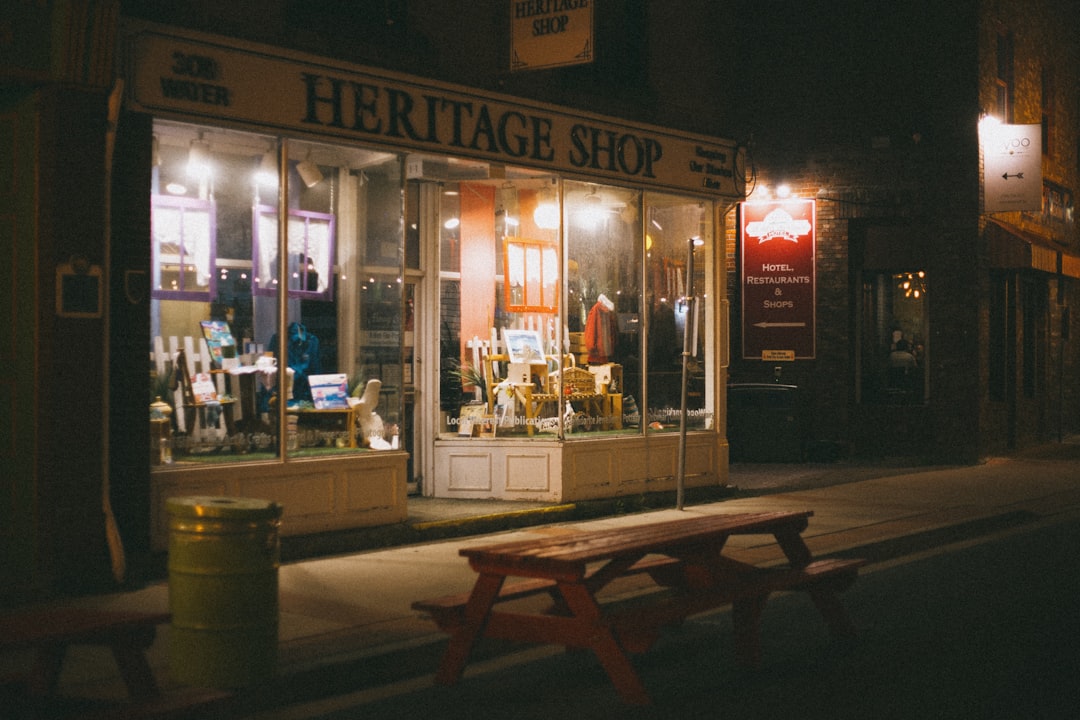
984 628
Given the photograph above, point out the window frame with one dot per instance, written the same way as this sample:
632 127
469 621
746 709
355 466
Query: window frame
266 288
184 205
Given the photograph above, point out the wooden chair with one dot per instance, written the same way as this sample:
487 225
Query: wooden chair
195 408
533 392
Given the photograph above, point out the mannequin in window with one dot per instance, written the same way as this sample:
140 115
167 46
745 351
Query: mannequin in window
601 331
302 357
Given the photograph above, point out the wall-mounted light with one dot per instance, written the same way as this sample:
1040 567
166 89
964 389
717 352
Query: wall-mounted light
546 214
309 172
198 164
267 173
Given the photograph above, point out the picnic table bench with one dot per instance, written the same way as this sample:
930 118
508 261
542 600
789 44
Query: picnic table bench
684 558
48 632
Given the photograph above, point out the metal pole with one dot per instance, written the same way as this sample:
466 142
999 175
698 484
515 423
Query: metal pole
680 480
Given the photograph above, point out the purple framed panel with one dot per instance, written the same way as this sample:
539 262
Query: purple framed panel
311 253
184 233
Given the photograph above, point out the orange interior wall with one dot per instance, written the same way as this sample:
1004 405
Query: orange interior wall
478 246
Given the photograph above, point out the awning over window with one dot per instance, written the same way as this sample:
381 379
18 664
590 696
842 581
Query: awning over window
1015 248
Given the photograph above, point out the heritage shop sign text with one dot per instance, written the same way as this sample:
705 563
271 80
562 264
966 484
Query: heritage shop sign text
209 80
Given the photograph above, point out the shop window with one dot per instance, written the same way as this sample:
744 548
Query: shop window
311 248
216 355
1035 336
604 248
674 228
184 248
604 318
893 353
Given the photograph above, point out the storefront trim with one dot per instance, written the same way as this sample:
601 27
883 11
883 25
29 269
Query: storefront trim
317 495
572 471
202 77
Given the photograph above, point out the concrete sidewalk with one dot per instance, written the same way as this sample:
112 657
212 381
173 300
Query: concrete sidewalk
346 621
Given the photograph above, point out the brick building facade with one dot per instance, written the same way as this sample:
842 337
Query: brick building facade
886 140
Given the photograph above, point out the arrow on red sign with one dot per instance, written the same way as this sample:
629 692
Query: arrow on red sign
779 324
1015 175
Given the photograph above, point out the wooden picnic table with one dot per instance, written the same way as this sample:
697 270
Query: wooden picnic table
683 557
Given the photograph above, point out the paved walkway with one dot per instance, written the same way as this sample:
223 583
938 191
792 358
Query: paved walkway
353 611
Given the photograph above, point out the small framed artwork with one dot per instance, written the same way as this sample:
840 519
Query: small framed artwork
487 426
469 419
524 346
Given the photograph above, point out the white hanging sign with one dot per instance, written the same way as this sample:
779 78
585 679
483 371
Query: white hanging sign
1012 168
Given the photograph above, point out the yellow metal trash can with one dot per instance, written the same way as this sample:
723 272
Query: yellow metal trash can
224 555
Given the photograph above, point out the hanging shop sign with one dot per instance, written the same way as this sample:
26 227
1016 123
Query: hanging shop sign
779 282
196 77
550 33
1012 167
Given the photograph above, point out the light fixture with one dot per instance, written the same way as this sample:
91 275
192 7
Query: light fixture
591 212
451 223
267 173
546 214
783 191
309 172
198 164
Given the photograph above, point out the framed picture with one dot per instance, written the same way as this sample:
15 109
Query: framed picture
330 392
219 341
487 426
524 346
469 419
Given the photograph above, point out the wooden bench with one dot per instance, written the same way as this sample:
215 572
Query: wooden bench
49 632
684 559
448 611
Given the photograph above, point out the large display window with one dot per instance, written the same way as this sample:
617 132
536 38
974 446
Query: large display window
243 366
564 306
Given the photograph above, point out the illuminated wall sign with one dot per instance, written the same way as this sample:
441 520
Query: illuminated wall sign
550 33
779 281
204 79
1012 167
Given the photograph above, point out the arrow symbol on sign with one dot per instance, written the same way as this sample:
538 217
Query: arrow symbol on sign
779 324
1015 175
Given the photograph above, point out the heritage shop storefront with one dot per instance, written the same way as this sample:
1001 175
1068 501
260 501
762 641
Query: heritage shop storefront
485 297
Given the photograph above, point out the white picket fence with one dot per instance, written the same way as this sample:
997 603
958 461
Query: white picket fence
198 361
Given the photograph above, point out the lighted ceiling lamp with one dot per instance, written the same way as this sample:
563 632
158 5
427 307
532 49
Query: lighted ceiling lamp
592 211
198 164
267 173
546 214
309 172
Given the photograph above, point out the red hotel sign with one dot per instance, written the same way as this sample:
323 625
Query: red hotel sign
779 283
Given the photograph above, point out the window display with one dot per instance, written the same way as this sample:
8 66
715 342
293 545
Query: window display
588 339
560 306
215 309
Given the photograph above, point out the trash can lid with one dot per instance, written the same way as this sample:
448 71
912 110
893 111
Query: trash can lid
223 507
